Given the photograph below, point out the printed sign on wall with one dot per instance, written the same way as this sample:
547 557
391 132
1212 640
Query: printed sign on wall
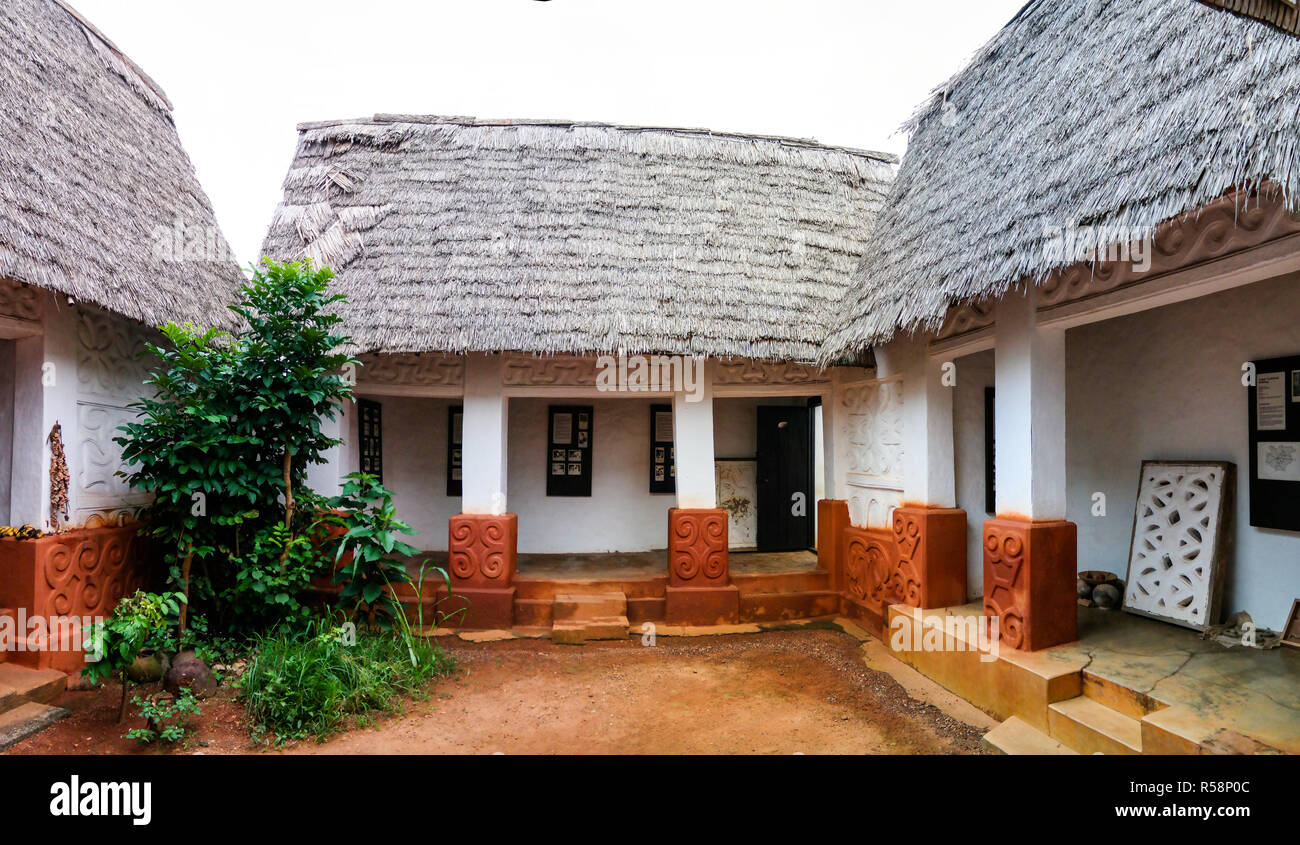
663 467
1273 415
569 433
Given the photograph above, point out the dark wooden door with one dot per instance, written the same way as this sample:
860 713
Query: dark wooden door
785 491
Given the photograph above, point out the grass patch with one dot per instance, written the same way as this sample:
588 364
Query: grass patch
310 683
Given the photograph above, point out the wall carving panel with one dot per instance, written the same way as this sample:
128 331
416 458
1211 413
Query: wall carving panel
409 368
108 357
1180 542
1004 584
20 300
737 484
870 437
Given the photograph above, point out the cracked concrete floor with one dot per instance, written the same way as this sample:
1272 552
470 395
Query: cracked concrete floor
1251 691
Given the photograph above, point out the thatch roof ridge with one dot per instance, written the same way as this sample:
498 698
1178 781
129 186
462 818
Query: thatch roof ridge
565 237
98 199
469 120
1138 114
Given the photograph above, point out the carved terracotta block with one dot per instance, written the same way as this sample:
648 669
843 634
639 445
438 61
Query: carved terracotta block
932 555
871 570
697 547
81 573
481 560
832 519
1030 573
482 549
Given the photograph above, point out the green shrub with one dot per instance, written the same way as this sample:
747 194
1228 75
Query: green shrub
309 681
167 717
365 514
138 622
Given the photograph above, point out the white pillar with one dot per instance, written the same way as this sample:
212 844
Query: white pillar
340 460
693 441
929 468
484 428
1029 436
830 448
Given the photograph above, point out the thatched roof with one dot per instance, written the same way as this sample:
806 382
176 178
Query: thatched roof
457 234
94 184
1117 114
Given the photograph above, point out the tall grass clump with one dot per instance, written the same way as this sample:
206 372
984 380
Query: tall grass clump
308 682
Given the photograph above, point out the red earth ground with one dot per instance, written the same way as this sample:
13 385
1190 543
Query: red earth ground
772 693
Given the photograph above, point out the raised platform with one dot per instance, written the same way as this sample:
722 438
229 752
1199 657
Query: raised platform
1128 685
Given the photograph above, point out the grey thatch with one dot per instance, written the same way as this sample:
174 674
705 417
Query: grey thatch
95 189
1116 114
457 234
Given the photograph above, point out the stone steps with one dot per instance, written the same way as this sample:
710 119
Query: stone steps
26 719
1090 727
580 617
1017 737
19 684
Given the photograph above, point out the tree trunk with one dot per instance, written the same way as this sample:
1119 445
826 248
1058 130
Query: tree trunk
288 506
185 579
121 711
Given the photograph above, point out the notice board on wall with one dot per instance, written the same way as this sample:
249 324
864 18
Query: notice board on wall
455 457
1274 421
569 433
663 465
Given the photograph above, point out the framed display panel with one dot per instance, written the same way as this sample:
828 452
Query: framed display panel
1181 541
455 459
569 433
1273 415
370 428
663 464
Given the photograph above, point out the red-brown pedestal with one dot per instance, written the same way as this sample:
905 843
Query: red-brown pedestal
68 580
932 551
1030 572
699 584
481 561
832 519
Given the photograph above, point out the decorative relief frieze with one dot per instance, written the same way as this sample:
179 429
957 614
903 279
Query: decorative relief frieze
1223 227
19 300
535 370
415 369
747 371
870 431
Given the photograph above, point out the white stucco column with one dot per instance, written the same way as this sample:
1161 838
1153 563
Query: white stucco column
929 469
340 460
1029 374
484 429
693 441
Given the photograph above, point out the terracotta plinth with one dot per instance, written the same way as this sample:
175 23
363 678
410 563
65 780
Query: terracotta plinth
699 584
932 551
481 561
832 519
1029 581
68 580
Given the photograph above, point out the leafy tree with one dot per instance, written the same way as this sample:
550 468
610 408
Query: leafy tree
234 421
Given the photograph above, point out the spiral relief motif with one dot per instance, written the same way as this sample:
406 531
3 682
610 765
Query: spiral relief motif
697 546
86 573
481 548
1004 556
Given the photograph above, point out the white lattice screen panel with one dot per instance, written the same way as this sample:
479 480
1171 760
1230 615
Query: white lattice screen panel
1179 540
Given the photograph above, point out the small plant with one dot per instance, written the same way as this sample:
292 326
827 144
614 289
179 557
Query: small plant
167 717
365 514
139 622
271 577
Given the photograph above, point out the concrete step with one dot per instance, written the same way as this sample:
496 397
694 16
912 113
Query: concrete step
574 632
578 606
1018 737
1116 696
1089 727
26 719
19 684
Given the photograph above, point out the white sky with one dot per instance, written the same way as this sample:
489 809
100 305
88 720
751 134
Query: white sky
243 73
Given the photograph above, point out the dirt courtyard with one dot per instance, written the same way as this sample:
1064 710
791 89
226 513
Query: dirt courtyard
772 693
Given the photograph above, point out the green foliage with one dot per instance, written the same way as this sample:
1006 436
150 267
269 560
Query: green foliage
365 513
309 681
138 622
268 583
167 717
228 411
